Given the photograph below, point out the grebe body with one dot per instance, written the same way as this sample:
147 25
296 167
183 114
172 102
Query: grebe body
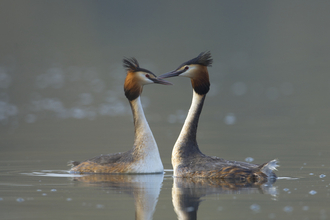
144 156
187 159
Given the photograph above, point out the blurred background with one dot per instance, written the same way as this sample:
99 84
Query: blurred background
61 78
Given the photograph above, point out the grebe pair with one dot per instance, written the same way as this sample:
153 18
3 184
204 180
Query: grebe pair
187 159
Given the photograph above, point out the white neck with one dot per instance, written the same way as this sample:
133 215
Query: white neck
186 144
145 149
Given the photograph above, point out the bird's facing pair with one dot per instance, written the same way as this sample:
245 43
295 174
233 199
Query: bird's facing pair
187 159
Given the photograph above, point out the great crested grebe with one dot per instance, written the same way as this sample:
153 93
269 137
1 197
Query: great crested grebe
187 159
144 157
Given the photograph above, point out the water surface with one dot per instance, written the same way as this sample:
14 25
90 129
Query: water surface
62 99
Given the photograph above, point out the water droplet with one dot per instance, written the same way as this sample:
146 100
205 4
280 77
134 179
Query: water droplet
53 190
99 206
69 199
77 113
230 119
171 119
322 175
285 189
288 209
39 190
312 192
20 200
311 174
190 209
249 159
255 207
44 194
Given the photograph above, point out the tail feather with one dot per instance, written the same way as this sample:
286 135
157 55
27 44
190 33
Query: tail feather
268 168
73 163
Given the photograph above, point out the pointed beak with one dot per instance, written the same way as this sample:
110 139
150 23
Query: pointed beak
160 81
171 74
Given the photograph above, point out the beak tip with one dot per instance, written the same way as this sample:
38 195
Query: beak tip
170 74
162 81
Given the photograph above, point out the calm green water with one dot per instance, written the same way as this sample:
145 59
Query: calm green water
62 99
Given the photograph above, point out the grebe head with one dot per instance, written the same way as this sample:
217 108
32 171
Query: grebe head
196 70
137 77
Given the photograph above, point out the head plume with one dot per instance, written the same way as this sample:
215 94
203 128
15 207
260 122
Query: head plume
204 59
131 64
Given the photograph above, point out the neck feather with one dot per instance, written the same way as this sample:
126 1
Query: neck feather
132 88
201 82
186 145
142 129
145 151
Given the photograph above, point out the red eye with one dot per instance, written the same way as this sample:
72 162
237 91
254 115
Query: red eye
147 75
186 67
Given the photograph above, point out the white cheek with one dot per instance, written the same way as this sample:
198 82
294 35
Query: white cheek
148 81
144 80
185 74
189 73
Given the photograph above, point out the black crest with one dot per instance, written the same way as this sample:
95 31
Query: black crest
131 64
203 58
